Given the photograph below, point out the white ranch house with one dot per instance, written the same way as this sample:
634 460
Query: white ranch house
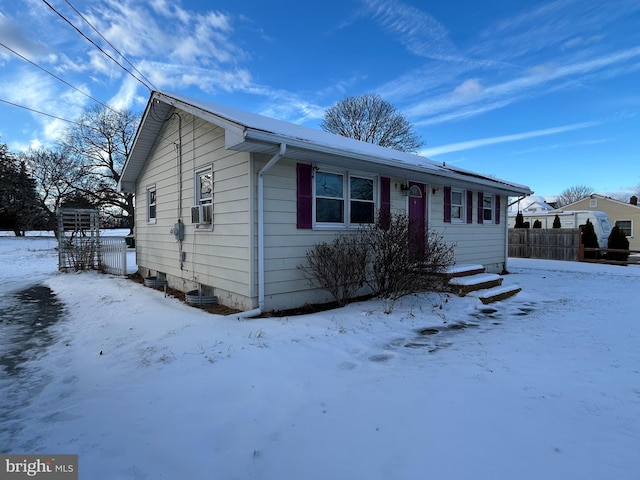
230 201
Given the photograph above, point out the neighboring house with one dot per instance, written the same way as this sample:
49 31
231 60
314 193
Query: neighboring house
231 201
625 215
529 204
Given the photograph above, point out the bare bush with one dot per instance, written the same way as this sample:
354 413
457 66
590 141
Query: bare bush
403 258
338 267
392 257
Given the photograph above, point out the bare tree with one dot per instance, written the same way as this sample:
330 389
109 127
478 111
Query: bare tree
100 143
56 176
371 119
573 194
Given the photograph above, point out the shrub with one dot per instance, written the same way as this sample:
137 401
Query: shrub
404 259
519 220
556 222
537 224
391 257
338 267
618 240
589 239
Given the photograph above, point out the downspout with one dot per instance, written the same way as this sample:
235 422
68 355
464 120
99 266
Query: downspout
257 311
506 229
505 267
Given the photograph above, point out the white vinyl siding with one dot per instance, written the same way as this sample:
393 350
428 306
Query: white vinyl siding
475 243
218 259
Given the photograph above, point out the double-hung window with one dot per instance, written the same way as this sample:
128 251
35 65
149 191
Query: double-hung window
487 208
203 209
151 204
457 206
343 199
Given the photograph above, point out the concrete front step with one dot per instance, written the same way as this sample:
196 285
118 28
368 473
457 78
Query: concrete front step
496 294
477 281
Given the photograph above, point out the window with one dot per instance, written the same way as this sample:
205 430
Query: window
626 226
344 199
362 206
329 197
487 208
457 206
151 204
204 198
593 203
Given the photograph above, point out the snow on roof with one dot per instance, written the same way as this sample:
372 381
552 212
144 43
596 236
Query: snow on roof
531 203
274 130
307 134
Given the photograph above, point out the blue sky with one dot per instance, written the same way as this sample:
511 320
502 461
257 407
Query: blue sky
544 94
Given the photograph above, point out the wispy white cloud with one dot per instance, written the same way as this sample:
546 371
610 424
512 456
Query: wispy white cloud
556 146
563 44
539 80
483 142
421 33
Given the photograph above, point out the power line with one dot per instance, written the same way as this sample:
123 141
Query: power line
43 113
96 45
110 44
56 77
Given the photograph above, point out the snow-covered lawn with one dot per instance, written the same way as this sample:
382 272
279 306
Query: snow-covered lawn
141 386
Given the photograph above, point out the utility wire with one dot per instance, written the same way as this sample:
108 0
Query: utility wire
45 114
111 45
96 45
56 77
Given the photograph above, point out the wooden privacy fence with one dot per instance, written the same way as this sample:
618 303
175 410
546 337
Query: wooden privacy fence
547 244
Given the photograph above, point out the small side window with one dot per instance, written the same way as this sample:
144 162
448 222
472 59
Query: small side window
151 204
202 211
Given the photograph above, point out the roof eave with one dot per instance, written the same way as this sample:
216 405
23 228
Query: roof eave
252 137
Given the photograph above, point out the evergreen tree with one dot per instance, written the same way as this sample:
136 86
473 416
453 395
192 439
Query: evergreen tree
537 224
19 206
556 222
519 220
589 239
618 240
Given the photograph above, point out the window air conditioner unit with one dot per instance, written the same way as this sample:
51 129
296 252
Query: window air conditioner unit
202 214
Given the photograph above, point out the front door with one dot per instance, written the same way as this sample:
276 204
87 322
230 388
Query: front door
417 217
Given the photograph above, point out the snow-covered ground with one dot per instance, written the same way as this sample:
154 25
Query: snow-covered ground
141 386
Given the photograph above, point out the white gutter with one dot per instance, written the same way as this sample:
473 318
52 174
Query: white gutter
257 311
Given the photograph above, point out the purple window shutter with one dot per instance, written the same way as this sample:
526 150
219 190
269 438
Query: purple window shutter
385 202
497 200
480 207
304 195
469 206
447 204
